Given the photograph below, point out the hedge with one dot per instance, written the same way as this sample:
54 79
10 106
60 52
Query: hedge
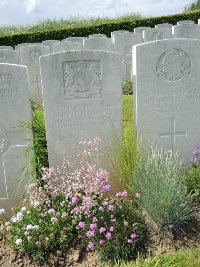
105 28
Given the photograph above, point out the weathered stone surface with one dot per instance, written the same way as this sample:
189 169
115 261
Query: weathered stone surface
140 29
116 32
6 47
97 35
9 56
14 109
127 67
150 35
29 56
187 31
65 46
164 26
75 39
97 43
82 99
167 95
185 22
50 43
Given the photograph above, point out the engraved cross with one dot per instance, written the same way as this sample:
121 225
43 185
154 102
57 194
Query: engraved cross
173 134
38 81
13 139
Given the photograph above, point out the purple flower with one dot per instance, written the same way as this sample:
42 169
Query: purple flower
102 230
137 195
134 224
101 208
90 233
105 188
113 220
94 219
81 225
102 176
125 223
120 206
90 245
133 235
108 236
130 241
118 194
93 226
124 194
111 207
101 242
75 210
88 201
74 200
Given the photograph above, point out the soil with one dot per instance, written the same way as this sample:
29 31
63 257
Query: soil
165 242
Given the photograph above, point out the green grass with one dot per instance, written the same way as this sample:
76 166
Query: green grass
187 258
65 23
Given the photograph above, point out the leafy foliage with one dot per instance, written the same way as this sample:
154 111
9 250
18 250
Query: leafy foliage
193 6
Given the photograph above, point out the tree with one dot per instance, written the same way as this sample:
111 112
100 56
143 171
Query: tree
193 6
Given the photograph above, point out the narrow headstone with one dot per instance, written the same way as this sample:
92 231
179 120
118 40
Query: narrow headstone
167 95
65 46
102 43
9 56
164 26
140 29
127 67
14 140
191 31
116 32
82 99
150 35
30 57
185 22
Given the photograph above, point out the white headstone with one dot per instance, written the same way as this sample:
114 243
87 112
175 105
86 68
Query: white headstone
164 26
116 32
17 47
97 35
167 96
29 56
123 42
140 29
150 35
82 99
127 67
14 109
50 43
186 31
102 43
185 22
9 56
6 47
74 39
65 46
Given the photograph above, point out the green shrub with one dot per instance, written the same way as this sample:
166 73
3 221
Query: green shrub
104 28
192 180
127 87
164 198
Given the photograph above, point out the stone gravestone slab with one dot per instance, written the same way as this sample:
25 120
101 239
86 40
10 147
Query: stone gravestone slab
82 99
74 39
164 26
127 67
185 22
97 43
150 35
186 31
140 29
65 46
6 47
29 56
116 32
14 140
167 94
50 43
9 56
97 35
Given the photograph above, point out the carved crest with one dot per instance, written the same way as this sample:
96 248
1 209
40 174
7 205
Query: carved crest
35 54
157 35
82 79
4 142
173 65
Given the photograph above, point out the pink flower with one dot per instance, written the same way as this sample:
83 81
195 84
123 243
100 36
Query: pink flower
130 241
112 216
90 245
105 188
105 203
88 201
108 236
120 206
137 195
101 242
125 223
75 210
134 224
102 230
94 219
102 176
133 235
81 225
124 194
90 233
118 194
74 200
93 226
111 228
113 220
101 208
111 207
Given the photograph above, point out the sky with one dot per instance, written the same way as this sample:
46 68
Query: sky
24 12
